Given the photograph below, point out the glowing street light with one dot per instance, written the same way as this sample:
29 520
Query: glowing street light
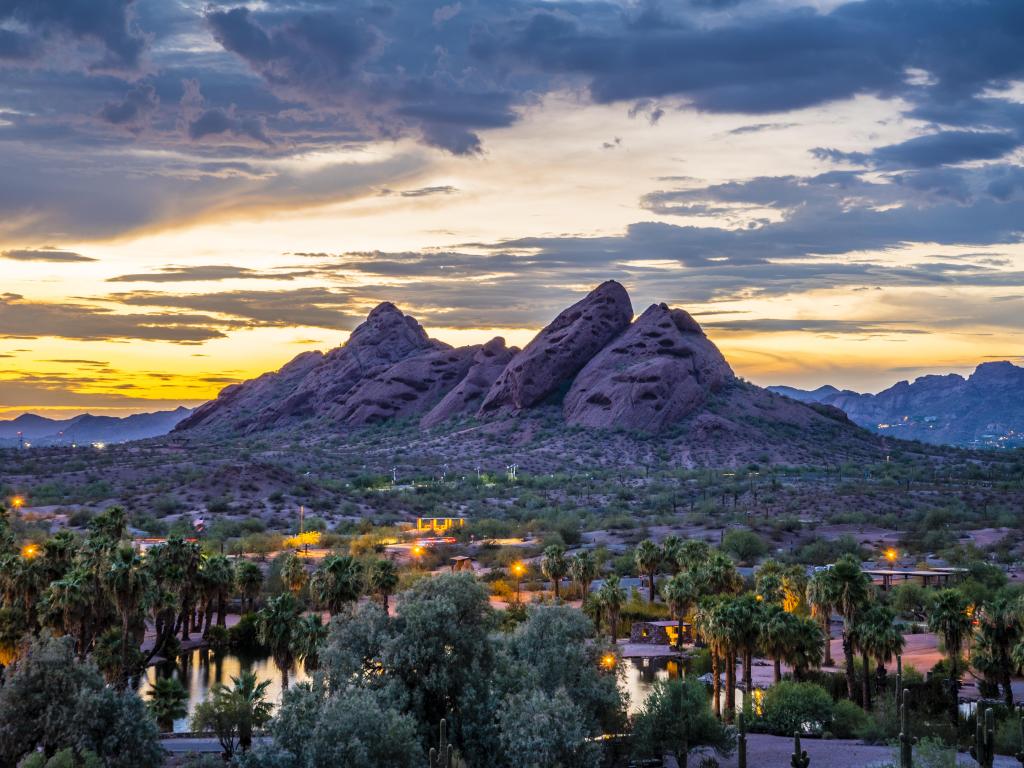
30 551
608 661
17 502
518 569
891 555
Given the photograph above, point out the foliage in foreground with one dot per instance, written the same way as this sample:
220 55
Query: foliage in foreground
51 701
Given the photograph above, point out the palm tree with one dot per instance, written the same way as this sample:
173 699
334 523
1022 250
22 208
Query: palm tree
806 646
583 571
999 629
293 573
777 632
680 594
849 588
692 553
252 708
717 575
69 601
819 596
220 578
249 579
168 702
337 583
307 640
949 618
746 628
612 597
671 549
129 585
554 566
383 580
708 623
875 635
59 554
648 559
275 629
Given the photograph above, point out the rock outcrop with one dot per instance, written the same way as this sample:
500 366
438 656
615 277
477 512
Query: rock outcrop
659 370
488 363
407 388
557 353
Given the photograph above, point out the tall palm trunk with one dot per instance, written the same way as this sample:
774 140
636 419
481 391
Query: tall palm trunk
730 686
777 663
650 587
748 674
716 686
222 609
207 616
826 627
865 682
848 653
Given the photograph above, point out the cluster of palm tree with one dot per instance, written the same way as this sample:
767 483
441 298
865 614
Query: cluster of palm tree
291 634
100 591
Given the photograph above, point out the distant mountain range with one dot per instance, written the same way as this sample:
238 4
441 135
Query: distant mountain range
985 409
86 429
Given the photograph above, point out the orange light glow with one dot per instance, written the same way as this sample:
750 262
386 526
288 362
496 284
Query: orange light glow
417 551
518 569
30 551
608 661
17 502
891 555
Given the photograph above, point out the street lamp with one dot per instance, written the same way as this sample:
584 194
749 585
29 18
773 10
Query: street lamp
30 551
17 502
891 555
518 569
608 661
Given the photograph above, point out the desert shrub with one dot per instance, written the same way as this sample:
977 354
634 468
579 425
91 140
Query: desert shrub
848 719
791 707
746 546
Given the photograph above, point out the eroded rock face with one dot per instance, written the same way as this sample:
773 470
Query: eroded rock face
407 388
239 405
315 384
488 363
659 370
559 351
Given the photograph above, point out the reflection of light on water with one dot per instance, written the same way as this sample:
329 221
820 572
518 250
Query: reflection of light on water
640 675
200 670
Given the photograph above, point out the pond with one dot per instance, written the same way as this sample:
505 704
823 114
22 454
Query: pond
199 670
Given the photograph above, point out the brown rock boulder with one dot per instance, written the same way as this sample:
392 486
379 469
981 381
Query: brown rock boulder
407 388
658 371
488 363
559 351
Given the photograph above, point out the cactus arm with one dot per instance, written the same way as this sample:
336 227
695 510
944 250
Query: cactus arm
800 758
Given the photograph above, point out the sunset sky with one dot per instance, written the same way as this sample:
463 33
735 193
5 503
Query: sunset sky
193 192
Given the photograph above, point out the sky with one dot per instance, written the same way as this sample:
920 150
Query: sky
192 192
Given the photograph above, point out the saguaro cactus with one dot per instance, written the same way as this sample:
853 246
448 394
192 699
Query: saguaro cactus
799 758
741 742
906 740
984 749
443 755
899 677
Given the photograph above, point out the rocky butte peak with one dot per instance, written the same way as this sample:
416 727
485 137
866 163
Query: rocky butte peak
561 349
488 363
659 370
386 324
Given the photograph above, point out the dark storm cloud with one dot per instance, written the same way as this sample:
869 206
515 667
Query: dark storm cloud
134 109
44 254
318 307
943 148
23 319
107 23
206 273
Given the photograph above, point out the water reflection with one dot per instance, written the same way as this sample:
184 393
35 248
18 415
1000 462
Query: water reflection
641 674
201 669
